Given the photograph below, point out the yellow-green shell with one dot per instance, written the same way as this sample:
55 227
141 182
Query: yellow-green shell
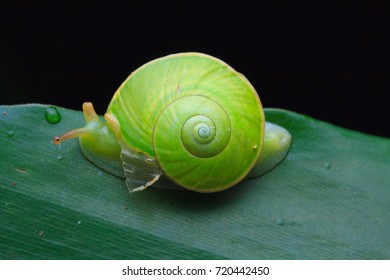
195 117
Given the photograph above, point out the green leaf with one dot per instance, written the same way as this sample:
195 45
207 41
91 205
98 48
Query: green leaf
329 199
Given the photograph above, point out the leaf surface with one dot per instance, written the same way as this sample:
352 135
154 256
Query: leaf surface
329 199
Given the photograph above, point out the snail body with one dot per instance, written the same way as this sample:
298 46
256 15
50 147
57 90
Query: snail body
189 117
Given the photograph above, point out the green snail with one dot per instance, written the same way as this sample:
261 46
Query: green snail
185 119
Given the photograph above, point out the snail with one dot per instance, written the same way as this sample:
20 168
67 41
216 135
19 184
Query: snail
187 120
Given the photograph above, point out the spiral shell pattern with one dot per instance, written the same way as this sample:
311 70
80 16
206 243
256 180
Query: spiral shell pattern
197 117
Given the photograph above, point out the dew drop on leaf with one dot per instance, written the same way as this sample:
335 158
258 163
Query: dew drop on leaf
327 165
52 115
281 222
11 133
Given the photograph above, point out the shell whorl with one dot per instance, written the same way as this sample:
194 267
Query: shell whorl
202 125
201 120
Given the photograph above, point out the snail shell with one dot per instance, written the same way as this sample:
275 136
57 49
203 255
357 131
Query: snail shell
188 116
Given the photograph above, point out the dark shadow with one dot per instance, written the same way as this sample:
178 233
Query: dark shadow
184 199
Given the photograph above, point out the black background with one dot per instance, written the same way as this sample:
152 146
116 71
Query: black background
329 60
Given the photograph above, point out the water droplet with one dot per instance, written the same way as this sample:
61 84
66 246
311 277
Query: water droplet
254 147
280 222
11 133
327 165
59 157
52 115
79 222
100 173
